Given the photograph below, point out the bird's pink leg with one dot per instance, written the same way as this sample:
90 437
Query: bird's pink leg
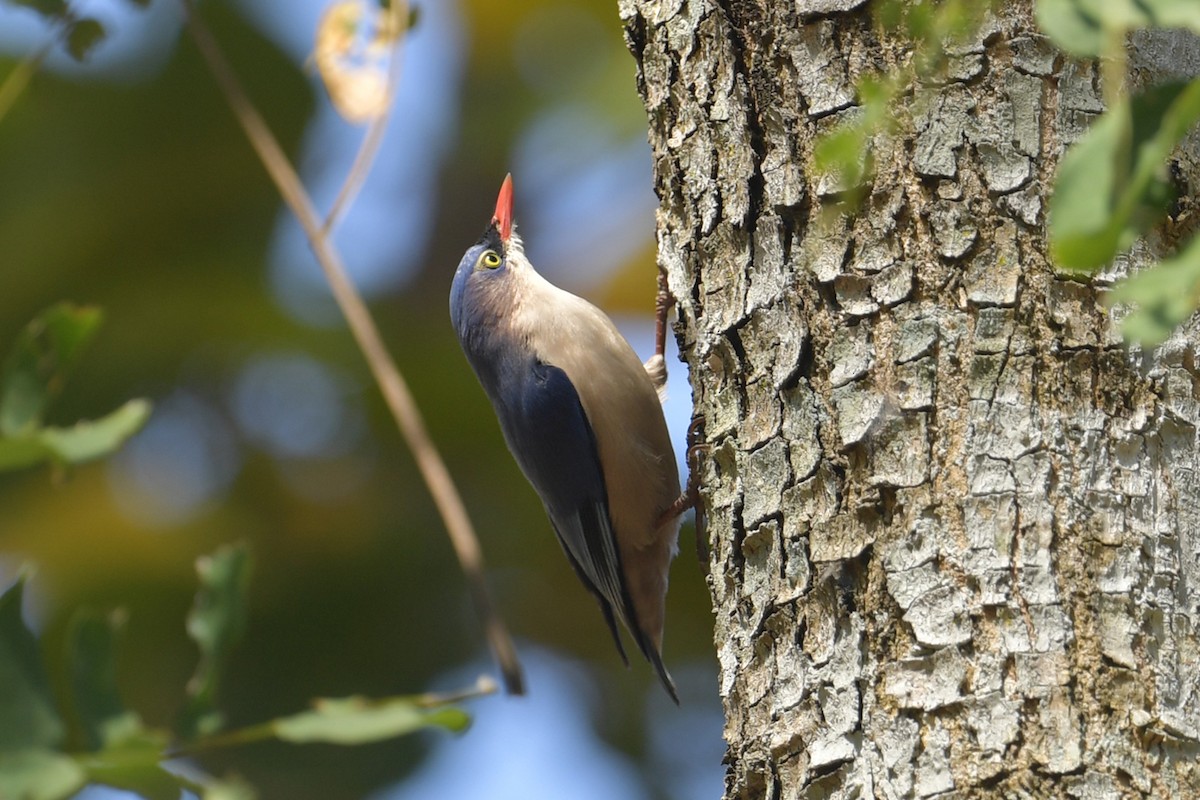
663 302
656 367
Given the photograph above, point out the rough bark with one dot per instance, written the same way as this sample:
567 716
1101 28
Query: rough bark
954 519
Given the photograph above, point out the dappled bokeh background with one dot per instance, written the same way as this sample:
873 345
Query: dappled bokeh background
125 183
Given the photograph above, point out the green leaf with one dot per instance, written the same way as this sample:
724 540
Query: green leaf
34 373
135 764
1086 28
1113 184
91 662
842 148
77 444
39 775
845 152
358 720
39 362
28 717
215 623
93 439
1072 26
82 36
1163 296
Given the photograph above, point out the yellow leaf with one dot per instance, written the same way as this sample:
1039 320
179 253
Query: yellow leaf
354 43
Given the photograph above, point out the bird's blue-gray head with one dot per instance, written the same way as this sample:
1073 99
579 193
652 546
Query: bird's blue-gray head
483 282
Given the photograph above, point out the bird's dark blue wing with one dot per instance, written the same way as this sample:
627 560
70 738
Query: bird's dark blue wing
549 434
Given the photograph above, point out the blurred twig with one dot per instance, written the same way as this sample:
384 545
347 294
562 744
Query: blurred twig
395 390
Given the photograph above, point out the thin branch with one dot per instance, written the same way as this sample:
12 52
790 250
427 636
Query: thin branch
374 136
395 390
484 685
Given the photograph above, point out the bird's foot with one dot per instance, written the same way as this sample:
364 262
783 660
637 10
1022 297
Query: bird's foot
691 496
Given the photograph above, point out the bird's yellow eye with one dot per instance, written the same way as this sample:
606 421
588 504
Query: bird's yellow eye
490 259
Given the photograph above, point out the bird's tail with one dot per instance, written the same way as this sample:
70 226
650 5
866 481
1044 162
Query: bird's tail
655 658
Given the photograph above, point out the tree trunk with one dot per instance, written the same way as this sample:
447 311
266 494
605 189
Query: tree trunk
953 519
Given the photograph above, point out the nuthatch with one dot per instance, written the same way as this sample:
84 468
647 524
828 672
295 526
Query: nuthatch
582 418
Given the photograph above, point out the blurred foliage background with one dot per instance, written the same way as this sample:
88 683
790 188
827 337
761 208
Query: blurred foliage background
125 183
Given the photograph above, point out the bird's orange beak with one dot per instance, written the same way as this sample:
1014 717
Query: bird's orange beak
504 204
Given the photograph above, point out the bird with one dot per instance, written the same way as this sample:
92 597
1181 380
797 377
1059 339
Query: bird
582 417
